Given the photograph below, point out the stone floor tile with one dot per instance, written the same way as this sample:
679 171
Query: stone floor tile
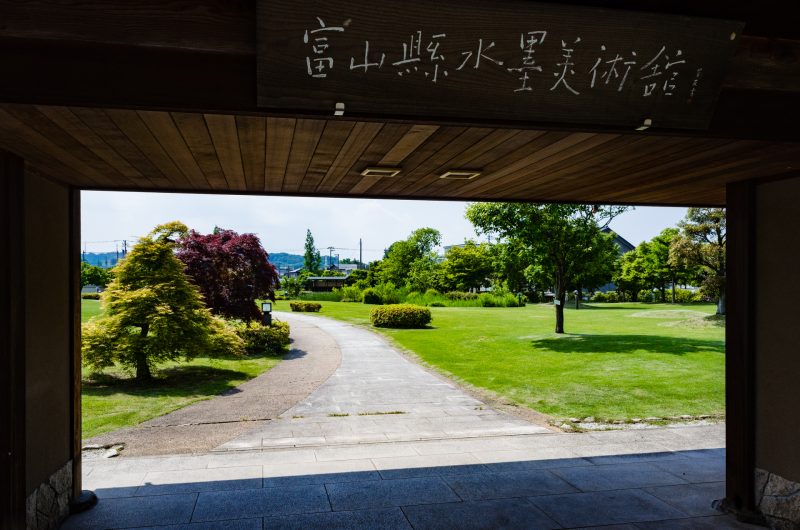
544 457
319 473
235 524
691 499
111 484
605 508
717 522
387 493
134 511
615 477
390 519
483 486
615 450
197 480
708 469
425 466
262 502
503 514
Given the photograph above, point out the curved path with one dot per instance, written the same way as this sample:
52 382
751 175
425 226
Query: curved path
377 395
200 427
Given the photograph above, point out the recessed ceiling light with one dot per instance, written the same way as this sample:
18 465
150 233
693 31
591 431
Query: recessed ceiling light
381 172
460 174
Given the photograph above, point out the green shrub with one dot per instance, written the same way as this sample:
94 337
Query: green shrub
685 296
432 293
350 293
307 307
321 296
261 339
90 296
371 296
645 295
459 295
400 316
612 297
389 293
436 304
599 296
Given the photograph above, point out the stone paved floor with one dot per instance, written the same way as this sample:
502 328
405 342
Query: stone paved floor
377 395
447 462
650 479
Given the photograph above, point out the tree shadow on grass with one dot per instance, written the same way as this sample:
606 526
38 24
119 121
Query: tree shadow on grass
628 344
178 381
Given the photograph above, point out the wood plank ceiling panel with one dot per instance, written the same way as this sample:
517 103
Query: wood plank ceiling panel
330 145
362 135
225 138
150 150
307 134
280 133
198 140
72 125
99 122
252 133
162 126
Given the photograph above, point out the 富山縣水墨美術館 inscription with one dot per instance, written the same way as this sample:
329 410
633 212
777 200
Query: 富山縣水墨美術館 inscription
510 61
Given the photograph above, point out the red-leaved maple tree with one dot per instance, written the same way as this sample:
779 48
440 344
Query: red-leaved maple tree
232 270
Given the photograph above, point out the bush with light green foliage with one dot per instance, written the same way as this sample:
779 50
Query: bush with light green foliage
305 307
153 313
400 316
350 293
261 339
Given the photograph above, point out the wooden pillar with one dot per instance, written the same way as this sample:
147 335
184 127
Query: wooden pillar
740 394
75 340
12 342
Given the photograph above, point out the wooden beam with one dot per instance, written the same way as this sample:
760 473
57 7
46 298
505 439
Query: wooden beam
760 63
75 338
740 349
12 342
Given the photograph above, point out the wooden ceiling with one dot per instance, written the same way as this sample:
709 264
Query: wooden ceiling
154 95
178 151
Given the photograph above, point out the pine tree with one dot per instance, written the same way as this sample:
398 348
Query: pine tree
311 259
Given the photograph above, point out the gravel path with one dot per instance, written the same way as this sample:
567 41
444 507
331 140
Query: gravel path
197 428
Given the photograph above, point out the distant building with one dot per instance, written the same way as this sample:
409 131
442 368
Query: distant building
624 246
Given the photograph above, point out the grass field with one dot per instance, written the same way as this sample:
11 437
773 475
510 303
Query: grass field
617 361
112 400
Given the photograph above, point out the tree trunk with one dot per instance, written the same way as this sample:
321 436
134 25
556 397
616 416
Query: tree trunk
560 300
721 304
673 290
142 367
578 297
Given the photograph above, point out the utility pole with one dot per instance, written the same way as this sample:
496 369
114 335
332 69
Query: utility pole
124 247
360 254
330 257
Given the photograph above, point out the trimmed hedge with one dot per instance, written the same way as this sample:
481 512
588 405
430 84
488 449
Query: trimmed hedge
371 296
90 296
306 307
259 338
400 316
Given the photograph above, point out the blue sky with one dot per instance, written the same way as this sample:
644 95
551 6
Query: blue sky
281 222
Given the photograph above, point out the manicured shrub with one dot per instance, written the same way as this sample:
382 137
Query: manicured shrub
321 296
400 316
305 307
371 296
432 293
645 295
685 296
389 293
612 297
261 339
90 296
436 304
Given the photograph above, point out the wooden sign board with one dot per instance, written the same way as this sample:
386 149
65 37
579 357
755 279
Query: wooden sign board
511 61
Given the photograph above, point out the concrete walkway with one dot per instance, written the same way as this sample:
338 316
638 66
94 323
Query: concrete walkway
462 472
377 395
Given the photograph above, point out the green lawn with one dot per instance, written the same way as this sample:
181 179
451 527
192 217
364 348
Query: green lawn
618 361
112 400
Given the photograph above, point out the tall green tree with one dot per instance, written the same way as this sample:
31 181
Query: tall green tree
467 267
560 237
94 275
416 253
702 244
312 261
153 313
